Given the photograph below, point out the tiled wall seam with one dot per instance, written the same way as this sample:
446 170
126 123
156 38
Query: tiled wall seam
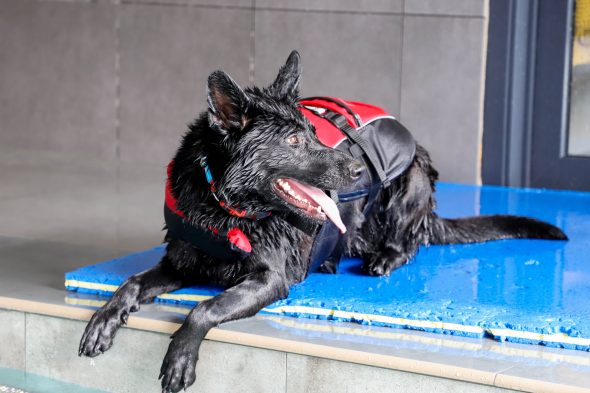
25 346
401 68
184 4
287 372
482 92
370 13
181 3
252 64
118 87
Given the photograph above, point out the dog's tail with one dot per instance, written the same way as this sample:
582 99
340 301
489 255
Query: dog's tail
496 227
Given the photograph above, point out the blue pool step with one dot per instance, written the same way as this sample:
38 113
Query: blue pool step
527 291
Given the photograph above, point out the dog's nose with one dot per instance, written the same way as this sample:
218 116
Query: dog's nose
356 169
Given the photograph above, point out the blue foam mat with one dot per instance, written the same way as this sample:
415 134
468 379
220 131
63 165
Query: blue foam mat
528 291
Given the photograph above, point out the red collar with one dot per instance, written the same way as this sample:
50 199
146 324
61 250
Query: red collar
234 211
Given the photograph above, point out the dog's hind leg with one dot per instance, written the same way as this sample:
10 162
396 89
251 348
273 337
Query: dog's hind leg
396 240
386 261
100 331
255 291
402 218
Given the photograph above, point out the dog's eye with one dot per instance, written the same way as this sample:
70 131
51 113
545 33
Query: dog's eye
293 139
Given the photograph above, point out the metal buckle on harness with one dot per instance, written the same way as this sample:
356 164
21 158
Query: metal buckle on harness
337 119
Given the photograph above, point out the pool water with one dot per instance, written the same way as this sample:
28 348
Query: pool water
18 381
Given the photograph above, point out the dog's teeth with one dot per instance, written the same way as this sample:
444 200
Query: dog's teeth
286 186
319 209
291 192
305 200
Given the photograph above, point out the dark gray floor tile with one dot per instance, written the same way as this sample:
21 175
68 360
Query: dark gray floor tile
98 205
34 268
57 77
10 241
33 173
442 87
343 55
334 5
167 54
447 7
141 198
62 206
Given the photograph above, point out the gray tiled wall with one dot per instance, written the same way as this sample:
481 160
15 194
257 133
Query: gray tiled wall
440 91
343 55
132 364
119 79
12 337
166 55
58 77
309 374
477 8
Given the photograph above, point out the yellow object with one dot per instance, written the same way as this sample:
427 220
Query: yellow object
582 18
581 46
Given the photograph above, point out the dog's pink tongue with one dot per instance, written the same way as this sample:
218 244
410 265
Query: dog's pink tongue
326 203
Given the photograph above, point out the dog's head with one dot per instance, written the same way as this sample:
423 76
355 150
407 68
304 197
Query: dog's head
274 160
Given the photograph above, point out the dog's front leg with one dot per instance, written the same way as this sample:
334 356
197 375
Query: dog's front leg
256 291
102 327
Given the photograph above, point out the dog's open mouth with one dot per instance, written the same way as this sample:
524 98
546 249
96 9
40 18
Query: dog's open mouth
311 200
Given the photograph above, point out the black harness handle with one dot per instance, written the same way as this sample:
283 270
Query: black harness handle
341 104
342 124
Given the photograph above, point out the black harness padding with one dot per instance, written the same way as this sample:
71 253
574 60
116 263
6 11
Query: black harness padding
203 239
385 147
360 147
392 150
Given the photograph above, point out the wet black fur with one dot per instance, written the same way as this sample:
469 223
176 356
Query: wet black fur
244 137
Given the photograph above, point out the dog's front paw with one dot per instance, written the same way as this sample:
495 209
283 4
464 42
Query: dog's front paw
178 368
328 267
100 332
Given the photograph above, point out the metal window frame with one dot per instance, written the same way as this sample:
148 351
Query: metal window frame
526 107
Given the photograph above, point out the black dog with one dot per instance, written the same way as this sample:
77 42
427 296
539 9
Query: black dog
241 153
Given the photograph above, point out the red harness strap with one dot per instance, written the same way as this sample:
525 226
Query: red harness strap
180 228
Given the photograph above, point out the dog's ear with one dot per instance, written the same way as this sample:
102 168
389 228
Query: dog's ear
286 85
227 103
